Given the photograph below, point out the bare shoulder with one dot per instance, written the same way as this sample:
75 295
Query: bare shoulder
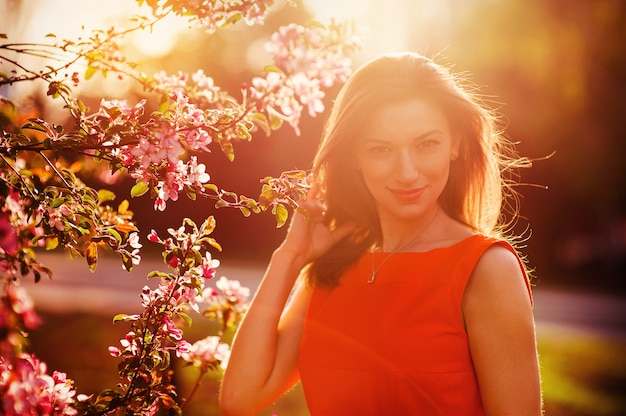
497 280
497 314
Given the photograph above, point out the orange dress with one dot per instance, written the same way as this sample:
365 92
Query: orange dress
397 346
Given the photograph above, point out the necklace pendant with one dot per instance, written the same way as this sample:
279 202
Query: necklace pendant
372 278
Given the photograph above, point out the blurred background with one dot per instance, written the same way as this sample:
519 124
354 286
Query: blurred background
554 69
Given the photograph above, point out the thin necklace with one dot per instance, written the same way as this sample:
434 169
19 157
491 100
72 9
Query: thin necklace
375 269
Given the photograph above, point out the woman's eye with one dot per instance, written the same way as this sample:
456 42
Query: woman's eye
427 144
378 150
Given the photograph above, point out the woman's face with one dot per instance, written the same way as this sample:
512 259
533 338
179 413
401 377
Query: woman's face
404 154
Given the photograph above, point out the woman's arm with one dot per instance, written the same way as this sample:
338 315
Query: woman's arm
498 316
263 360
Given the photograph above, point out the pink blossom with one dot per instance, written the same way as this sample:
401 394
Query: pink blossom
205 86
182 347
173 262
185 295
133 240
195 172
208 351
169 328
309 92
8 236
114 351
29 390
159 204
153 236
130 343
167 140
56 216
147 153
126 112
148 296
170 83
22 304
209 265
233 291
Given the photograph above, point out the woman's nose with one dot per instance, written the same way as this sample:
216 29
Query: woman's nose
407 168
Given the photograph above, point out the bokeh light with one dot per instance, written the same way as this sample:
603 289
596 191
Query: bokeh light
421 25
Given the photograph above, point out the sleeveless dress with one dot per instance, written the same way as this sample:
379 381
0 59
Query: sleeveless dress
397 346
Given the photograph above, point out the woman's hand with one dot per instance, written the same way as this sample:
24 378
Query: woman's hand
309 238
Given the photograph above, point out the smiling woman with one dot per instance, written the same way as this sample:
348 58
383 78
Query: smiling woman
411 300
404 156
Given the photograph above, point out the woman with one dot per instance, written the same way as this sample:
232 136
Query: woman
412 301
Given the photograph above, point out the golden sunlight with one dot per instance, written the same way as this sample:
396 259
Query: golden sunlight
420 25
162 38
33 20
324 10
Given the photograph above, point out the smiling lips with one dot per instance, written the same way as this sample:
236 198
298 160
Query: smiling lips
407 195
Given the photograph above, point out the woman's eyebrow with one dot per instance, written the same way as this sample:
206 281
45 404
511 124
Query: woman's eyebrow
419 137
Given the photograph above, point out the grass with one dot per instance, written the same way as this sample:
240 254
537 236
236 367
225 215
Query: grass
583 374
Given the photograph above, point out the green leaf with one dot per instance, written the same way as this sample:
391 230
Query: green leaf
221 204
260 120
91 254
272 68
119 317
139 189
281 213
243 132
267 196
113 232
52 243
105 195
315 23
186 318
213 242
211 187
69 175
227 148
208 225
127 262
57 202
157 273
234 18
275 122
303 212
31 126
90 72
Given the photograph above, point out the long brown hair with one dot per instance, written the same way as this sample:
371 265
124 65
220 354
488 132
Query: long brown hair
476 188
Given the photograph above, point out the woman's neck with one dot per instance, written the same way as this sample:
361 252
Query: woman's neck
401 235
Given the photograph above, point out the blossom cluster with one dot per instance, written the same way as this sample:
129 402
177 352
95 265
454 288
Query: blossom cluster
307 59
157 333
227 303
209 352
27 389
46 203
214 14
